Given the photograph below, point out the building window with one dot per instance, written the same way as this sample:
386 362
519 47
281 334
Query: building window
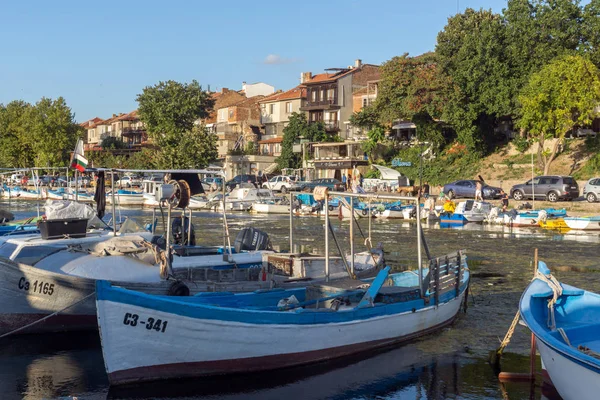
288 107
222 115
231 113
271 108
322 94
313 95
365 102
330 94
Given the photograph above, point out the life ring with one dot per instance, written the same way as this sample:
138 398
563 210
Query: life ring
365 211
179 288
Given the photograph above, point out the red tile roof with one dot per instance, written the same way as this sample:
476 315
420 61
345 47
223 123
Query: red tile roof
90 122
278 139
295 93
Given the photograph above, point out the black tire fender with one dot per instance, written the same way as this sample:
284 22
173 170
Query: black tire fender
178 288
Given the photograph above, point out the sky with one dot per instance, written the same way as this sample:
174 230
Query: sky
100 55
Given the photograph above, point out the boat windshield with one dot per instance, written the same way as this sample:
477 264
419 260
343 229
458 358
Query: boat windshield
6 249
30 255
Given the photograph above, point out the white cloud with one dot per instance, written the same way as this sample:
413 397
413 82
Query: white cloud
274 59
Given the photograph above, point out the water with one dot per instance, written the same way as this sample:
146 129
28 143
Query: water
449 364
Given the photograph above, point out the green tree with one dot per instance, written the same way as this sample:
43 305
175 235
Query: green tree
562 95
591 31
537 31
15 146
52 132
170 111
297 126
471 52
374 137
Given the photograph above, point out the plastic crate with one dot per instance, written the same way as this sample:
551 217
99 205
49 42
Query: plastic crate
60 228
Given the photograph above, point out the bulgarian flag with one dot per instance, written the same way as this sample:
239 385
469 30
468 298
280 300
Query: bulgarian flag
78 161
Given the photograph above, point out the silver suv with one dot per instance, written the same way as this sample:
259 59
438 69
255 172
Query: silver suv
591 190
550 187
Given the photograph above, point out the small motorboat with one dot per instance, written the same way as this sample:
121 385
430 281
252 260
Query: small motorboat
126 198
224 333
467 211
565 321
583 223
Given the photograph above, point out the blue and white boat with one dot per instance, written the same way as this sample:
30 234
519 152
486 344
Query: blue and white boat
126 198
583 223
146 337
565 321
467 211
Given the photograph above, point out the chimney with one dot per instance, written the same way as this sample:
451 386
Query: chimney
305 77
224 90
357 63
114 115
244 86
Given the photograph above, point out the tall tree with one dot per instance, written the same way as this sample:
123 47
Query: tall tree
537 31
170 110
52 132
298 127
471 51
15 146
591 31
562 95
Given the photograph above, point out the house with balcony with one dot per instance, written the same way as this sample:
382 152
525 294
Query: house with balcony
238 125
332 160
223 99
125 127
329 96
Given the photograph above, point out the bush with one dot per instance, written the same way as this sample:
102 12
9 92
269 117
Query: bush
521 143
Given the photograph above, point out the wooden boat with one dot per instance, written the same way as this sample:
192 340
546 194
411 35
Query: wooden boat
270 208
583 223
566 329
147 337
40 277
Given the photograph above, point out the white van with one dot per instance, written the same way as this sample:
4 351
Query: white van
15 179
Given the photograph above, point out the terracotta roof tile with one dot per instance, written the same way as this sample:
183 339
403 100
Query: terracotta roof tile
278 139
296 93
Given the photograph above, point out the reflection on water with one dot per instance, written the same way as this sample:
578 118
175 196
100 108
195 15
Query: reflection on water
450 364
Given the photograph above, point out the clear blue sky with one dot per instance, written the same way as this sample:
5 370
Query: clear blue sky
100 55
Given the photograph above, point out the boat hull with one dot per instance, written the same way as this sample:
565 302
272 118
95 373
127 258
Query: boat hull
135 354
28 294
571 379
584 224
263 208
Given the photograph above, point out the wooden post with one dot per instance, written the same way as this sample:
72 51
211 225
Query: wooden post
326 205
291 223
351 235
114 213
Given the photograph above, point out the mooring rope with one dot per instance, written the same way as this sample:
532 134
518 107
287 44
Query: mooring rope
47 316
509 334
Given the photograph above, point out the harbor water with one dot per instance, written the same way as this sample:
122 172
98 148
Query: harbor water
449 364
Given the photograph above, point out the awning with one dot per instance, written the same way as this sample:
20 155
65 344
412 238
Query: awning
388 173
404 125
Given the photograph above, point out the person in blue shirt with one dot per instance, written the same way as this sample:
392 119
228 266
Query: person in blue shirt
344 181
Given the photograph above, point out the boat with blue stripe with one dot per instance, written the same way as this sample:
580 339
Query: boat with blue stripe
222 333
565 321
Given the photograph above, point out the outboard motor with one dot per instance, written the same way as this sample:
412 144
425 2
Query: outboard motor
251 239
180 232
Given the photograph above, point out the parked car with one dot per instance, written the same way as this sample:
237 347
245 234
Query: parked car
128 181
208 182
580 132
60 181
15 179
82 181
331 183
466 188
280 183
232 183
551 188
591 190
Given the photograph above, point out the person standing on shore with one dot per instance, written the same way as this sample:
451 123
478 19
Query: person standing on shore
478 191
504 198
345 181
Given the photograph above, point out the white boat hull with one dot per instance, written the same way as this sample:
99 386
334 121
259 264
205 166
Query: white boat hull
583 224
263 208
392 214
572 380
205 346
126 199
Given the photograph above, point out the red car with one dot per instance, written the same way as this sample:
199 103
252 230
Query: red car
24 180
